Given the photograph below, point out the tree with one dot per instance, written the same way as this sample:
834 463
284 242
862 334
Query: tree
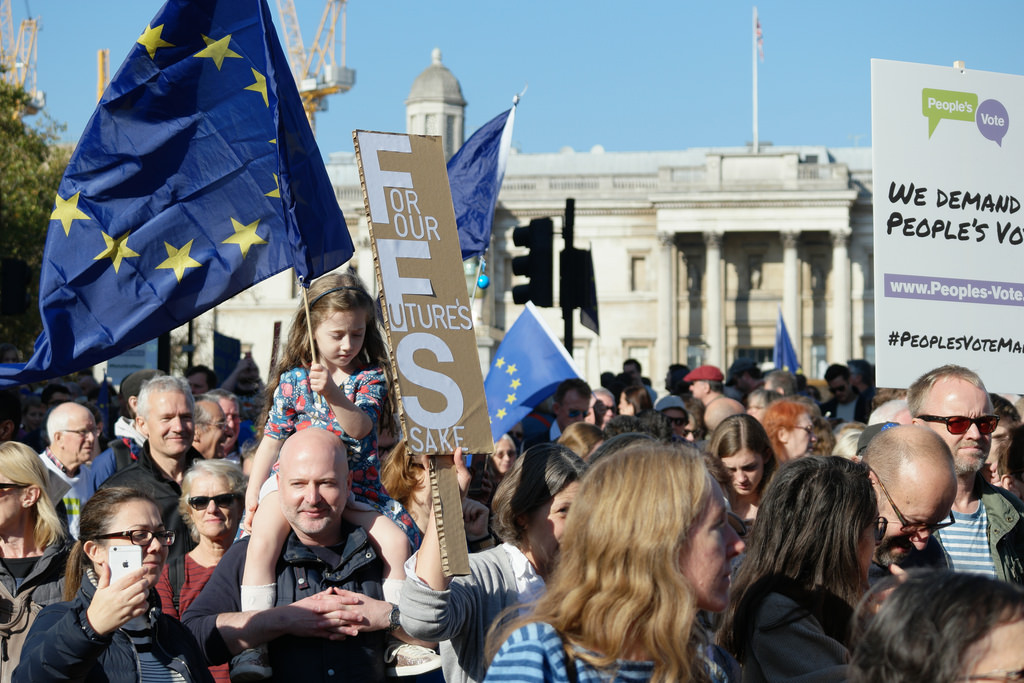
31 166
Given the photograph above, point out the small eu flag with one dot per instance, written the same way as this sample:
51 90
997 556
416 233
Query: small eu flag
528 366
196 177
784 355
475 174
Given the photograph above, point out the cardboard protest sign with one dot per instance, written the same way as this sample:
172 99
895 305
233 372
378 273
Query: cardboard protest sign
426 313
947 223
425 300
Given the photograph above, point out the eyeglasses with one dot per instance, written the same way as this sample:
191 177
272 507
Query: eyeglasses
679 421
141 537
8 485
912 528
95 431
808 428
881 524
573 414
737 524
222 500
1001 675
220 424
959 424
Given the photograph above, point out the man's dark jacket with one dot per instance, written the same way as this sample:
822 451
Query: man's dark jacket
301 571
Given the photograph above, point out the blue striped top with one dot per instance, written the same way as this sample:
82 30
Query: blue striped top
966 541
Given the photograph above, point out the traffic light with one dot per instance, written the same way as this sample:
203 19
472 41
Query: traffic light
537 265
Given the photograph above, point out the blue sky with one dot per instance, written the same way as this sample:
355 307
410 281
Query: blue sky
651 75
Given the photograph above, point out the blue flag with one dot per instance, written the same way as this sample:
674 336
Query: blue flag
475 173
784 355
196 178
528 366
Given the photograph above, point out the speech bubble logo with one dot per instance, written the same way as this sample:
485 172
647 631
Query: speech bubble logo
947 104
993 121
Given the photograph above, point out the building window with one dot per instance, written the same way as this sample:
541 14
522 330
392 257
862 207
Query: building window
819 361
430 126
694 356
637 273
449 136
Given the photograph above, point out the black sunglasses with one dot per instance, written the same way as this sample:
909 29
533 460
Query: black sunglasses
223 500
959 424
7 485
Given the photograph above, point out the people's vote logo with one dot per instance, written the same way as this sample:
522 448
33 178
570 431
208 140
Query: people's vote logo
990 116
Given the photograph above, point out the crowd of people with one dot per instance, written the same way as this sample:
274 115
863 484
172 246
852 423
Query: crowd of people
736 526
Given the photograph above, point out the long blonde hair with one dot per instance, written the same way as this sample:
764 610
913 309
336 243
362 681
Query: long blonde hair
327 296
618 587
22 466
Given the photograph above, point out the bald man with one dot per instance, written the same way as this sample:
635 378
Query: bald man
719 409
329 616
911 470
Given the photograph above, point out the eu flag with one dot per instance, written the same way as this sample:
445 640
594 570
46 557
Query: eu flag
475 174
196 177
528 366
784 355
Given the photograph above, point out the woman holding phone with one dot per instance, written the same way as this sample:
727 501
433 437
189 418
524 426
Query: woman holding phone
110 627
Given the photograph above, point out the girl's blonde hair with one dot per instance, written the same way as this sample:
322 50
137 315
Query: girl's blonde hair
22 466
329 295
618 587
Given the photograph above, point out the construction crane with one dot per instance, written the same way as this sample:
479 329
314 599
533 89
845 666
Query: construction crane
18 57
317 72
102 72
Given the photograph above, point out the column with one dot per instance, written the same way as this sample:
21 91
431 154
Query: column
713 298
791 288
668 327
840 351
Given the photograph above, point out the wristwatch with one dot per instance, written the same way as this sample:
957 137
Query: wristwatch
394 618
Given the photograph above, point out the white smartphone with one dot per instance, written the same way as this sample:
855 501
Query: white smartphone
123 559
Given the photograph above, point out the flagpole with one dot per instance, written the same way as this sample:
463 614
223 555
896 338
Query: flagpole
755 80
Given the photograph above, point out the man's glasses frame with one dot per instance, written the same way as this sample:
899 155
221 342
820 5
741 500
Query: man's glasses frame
960 424
911 528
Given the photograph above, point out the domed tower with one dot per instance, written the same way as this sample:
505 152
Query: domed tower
435 106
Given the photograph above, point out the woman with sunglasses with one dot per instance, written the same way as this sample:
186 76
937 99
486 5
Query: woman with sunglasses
212 496
112 630
805 570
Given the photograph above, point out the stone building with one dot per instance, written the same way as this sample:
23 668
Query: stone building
695 251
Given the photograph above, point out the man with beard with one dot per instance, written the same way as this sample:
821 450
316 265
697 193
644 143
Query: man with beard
988 536
912 473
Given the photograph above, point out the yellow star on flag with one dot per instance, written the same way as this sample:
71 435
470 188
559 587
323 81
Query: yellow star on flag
117 250
276 192
218 50
178 259
151 40
511 398
66 211
511 369
516 384
501 413
245 236
259 86
500 363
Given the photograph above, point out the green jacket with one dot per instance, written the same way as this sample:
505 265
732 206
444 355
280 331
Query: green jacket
1005 530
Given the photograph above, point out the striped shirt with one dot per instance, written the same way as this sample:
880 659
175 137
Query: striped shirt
966 541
